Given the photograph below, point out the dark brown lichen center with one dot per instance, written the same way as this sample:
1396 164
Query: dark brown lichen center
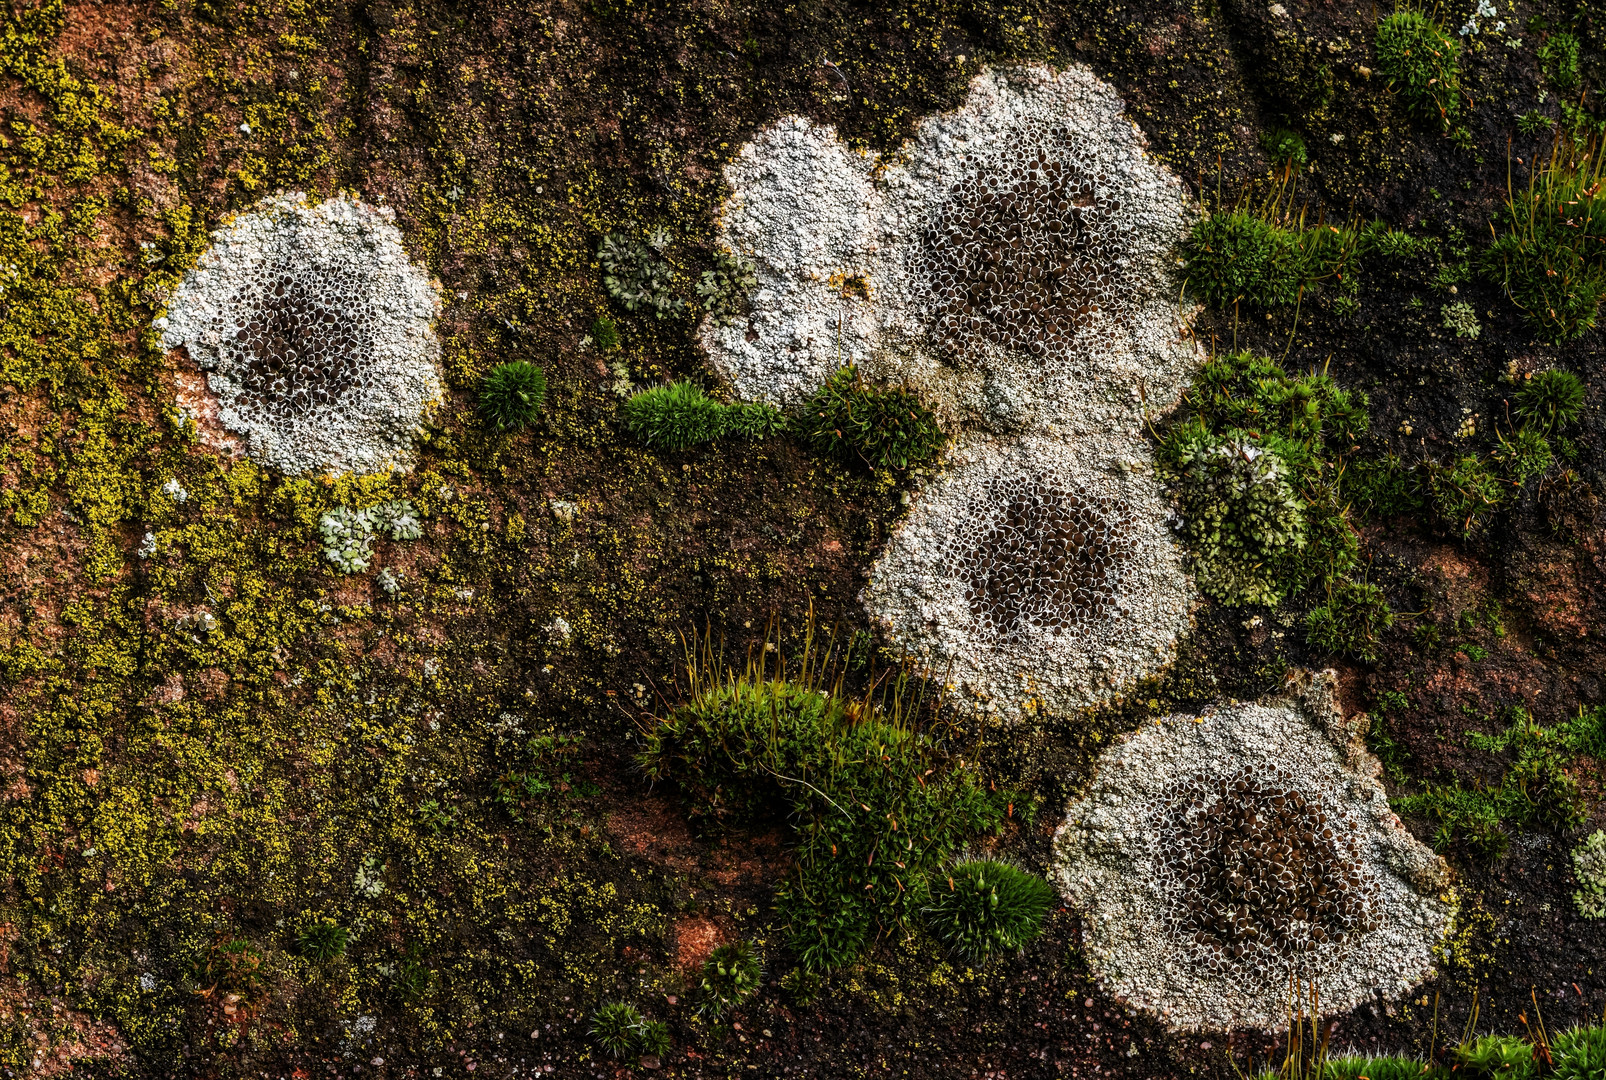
1018 256
1261 870
1050 560
296 350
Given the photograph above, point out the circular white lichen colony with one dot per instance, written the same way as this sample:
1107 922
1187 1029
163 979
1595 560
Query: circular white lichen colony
1217 857
1013 268
315 332
1036 570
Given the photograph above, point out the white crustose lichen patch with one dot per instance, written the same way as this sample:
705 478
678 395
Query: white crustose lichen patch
1013 268
315 333
1217 857
1035 572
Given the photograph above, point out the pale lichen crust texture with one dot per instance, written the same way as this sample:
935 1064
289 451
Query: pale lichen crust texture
1219 859
1012 266
315 332
1036 571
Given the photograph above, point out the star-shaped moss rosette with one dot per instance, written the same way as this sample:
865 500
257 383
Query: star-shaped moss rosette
1217 859
315 332
1013 268
1035 573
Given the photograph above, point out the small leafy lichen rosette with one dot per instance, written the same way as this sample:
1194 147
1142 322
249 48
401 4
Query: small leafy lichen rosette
1218 860
315 331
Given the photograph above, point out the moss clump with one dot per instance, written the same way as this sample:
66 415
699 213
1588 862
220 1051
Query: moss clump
985 906
882 428
1351 620
1497 1055
1422 62
323 940
616 1028
605 334
1558 57
1254 457
512 394
1284 145
1578 1054
874 806
1463 493
680 416
1551 399
1262 257
1549 253
1243 520
1522 455
730 976
1537 789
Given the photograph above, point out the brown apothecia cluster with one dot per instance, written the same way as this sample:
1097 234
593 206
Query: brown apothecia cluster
1021 255
1049 561
299 346
1259 872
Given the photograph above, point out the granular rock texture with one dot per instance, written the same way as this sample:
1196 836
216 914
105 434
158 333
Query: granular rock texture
314 329
1036 573
1217 857
1014 270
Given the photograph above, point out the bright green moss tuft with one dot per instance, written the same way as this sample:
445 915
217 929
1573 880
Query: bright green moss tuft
1261 259
511 395
1254 458
1549 253
1558 57
1351 621
1463 493
1284 145
605 334
983 907
1551 399
616 1027
880 428
323 940
874 806
1422 62
1522 455
730 976
679 416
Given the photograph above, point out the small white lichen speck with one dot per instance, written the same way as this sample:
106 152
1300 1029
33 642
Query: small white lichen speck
1217 859
315 333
